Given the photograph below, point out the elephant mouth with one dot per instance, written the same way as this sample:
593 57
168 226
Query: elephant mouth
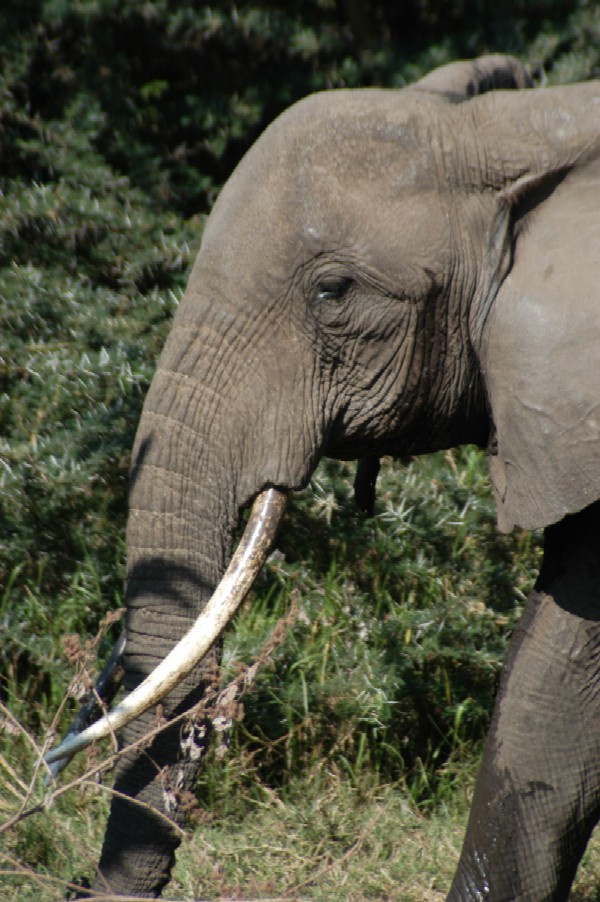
248 559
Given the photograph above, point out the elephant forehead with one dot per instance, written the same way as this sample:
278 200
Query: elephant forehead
340 169
335 187
368 146
377 136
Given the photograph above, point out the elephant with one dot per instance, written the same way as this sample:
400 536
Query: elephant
386 272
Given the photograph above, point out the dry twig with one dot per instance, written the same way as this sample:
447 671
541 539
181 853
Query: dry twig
223 706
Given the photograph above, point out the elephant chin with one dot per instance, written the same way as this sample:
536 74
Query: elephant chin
250 555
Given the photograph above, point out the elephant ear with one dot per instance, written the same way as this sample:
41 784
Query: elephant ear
540 346
465 79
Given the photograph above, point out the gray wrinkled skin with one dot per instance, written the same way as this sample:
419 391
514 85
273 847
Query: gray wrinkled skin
392 272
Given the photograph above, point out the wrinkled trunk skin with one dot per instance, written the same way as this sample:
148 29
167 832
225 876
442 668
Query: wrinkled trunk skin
163 598
182 513
213 433
537 796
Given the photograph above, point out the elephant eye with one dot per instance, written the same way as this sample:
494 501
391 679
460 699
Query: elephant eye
333 289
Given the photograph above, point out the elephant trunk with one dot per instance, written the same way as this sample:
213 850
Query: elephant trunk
170 579
185 496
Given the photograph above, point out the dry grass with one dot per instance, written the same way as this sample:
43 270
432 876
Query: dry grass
322 838
326 842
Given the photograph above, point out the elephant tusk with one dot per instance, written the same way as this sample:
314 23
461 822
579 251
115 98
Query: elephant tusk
243 569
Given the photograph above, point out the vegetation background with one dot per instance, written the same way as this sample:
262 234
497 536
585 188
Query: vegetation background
350 773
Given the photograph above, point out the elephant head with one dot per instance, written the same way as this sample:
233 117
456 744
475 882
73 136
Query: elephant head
385 273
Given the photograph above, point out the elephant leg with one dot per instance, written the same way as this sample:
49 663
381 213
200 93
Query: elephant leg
537 795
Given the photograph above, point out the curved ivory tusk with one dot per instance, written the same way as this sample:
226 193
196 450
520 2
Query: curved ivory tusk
245 565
